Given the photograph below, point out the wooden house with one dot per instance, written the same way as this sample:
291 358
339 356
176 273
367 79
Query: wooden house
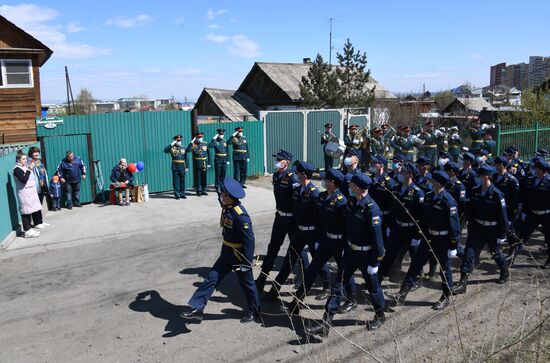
21 57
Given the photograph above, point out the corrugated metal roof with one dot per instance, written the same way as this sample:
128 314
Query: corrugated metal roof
475 103
235 105
288 76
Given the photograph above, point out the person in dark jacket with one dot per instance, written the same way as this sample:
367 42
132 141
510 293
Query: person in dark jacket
71 171
122 181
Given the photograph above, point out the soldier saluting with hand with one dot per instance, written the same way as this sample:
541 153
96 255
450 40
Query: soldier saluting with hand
179 165
240 155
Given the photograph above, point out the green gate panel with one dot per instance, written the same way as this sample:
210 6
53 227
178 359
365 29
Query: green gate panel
284 130
55 149
316 121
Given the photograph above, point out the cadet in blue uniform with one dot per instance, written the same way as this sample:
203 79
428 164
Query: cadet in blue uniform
201 161
237 254
325 138
381 191
396 165
536 203
429 148
515 166
350 168
219 146
406 211
488 223
424 177
305 196
509 186
441 226
455 186
331 236
179 166
284 181
364 251
467 174
240 155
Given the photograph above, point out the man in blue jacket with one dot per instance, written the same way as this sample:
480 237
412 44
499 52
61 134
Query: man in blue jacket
71 171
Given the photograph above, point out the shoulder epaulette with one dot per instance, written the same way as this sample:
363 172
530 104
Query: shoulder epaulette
289 174
339 197
312 188
458 182
238 210
387 177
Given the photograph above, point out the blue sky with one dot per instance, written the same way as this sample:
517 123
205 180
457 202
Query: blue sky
164 48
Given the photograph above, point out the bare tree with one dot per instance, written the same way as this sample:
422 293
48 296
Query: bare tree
84 101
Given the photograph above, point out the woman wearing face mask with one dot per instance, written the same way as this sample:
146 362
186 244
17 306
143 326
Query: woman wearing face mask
406 210
179 165
349 169
29 204
219 145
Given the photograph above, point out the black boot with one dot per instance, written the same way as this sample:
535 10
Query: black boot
460 288
377 322
260 283
253 315
433 269
417 285
402 294
193 314
503 278
349 305
442 303
321 328
292 308
325 293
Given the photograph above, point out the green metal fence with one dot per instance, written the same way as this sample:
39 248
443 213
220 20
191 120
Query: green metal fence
9 207
284 130
316 121
527 139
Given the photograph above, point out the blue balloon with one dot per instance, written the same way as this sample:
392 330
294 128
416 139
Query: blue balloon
140 165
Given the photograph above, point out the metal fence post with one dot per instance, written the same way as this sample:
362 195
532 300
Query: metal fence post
536 138
498 139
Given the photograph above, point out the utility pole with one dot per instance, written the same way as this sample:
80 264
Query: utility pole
70 98
330 44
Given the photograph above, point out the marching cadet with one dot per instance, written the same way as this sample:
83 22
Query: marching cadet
536 204
325 138
455 187
396 165
305 196
403 144
509 186
406 211
219 145
331 234
467 174
353 140
351 164
487 225
455 143
364 251
543 153
201 161
424 177
476 134
482 157
441 227
179 166
284 181
237 254
429 138
377 145
489 144
240 155
515 166
381 191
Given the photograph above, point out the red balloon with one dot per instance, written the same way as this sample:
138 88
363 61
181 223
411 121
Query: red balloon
132 168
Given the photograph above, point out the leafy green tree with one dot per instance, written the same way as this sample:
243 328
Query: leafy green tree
84 102
320 88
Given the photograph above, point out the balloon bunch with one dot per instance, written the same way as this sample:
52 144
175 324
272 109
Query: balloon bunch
135 167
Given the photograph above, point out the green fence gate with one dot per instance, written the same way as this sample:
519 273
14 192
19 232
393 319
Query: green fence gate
527 139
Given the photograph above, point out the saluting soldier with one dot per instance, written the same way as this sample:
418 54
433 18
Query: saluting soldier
237 254
536 204
240 155
201 161
441 227
489 144
284 181
487 225
179 165
364 251
219 145
377 146
325 138
331 237
404 143
406 211
305 196
476 134
455 143
429 147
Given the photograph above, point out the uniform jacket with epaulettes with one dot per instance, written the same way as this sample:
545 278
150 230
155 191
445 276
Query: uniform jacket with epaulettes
283 189
381 191
488 207
304 204
178 153
220 151
237 232
201 156
536 197
407 205
331 214
509 186
440 213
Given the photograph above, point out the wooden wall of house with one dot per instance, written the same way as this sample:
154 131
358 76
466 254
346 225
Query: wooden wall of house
264 91
207 107
19 108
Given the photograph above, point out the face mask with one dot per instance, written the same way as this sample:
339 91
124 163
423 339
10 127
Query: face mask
347 161
278 165
220 137
533 171
178 143
373 169
401 178
324 184
395 165
442 161
480 159
199 139
478 180
240 134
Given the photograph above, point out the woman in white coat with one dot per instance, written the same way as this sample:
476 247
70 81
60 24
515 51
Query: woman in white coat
29 204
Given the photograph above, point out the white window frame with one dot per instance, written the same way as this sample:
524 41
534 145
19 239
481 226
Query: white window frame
5 78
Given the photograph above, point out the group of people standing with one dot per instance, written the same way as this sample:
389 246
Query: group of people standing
368 221
201 157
